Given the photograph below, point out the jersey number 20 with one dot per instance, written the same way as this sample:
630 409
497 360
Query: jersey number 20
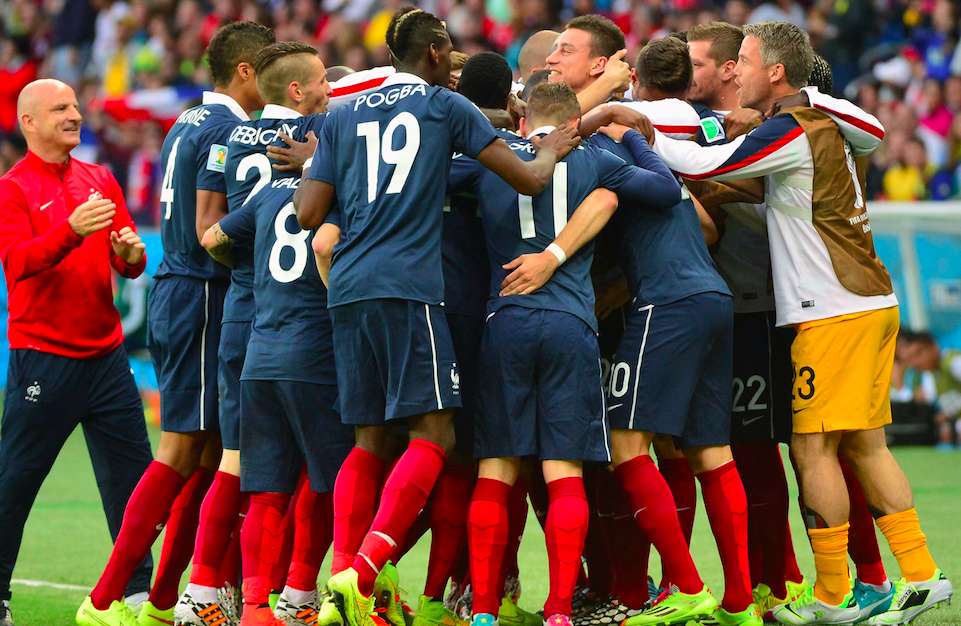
383 150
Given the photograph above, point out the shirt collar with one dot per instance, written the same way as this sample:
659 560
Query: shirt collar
279 112
541 130
403 78
212 97
57 169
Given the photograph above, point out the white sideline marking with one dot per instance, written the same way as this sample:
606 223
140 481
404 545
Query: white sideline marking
26 582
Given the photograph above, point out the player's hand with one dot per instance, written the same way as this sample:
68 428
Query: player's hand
530 272
617 73
633 119
740 121
517 108
93 215
127 245
292 159
561 141
614 131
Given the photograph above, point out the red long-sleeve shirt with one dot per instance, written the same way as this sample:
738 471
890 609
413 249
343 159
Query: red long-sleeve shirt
59 284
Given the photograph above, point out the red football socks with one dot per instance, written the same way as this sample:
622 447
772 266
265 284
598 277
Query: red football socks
517 520
487 528
147 510
313 533
405 494
679 477
726 506
567 517
655 512
448 525
355 498
770 548
260 539
218 519
630 556
862 540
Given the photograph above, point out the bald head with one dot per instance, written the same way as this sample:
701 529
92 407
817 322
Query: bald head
49 117
534 52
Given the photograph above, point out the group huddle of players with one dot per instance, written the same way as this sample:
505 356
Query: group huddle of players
409 300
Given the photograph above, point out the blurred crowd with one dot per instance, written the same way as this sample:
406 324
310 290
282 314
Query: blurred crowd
926 390
137 63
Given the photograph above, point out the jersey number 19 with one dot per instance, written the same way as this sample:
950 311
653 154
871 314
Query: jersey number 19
379 149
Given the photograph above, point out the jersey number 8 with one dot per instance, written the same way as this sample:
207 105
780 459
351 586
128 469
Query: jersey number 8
286 239
378 150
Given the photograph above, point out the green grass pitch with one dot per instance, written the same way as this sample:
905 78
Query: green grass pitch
66 541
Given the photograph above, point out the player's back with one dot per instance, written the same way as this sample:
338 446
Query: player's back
248 170
387 155
662 251
291 334
515 224
193 156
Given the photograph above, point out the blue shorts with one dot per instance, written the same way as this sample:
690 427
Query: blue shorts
395 359
466 332
285 424
761 410
183 320
672 372
541 389
233 349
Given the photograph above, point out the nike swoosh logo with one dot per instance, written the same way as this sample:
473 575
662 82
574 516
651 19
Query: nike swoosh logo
161 620
45 205
95 618
749 421
796 411
614 406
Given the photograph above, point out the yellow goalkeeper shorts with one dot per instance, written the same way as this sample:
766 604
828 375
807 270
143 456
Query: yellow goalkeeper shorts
842 371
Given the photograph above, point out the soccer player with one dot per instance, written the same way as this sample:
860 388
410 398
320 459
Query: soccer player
185 309
288 405
292 81
63 226
382 156
541 392
533 54
831 286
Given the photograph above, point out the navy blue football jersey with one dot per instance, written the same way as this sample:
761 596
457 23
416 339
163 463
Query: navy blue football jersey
663 252
466 270
291 337
515 224
194 157
387 155
248 171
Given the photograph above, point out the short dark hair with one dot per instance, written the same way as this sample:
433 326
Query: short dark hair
821 75
535 79
725 39
233 44
277 66
553 102
411 31
665 65
606 37
486 80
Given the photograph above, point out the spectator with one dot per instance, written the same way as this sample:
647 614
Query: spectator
905 180
945 365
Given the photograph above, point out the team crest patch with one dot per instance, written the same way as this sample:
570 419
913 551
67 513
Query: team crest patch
712 129
217 158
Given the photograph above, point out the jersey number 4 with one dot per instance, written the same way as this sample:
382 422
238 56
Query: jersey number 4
382 150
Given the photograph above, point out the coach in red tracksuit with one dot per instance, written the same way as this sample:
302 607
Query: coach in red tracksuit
63 227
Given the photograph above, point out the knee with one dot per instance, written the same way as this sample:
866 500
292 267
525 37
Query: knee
437 428
181 451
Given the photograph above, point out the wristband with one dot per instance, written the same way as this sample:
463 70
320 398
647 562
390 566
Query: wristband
558 252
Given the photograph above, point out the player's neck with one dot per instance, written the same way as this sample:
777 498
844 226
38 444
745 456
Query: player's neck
778 94
725 99
419 70
234 92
